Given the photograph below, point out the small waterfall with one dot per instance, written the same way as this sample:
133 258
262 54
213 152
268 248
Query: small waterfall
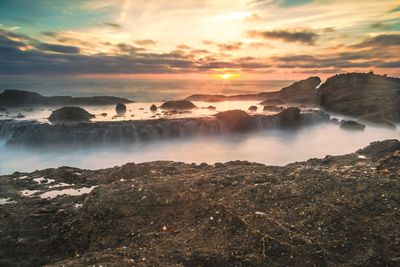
37 134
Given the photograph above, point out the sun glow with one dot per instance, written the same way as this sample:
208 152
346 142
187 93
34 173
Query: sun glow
227 76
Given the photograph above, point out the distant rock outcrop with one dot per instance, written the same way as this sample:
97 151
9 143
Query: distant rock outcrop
17 98
367 96
70 114
304 92
178 104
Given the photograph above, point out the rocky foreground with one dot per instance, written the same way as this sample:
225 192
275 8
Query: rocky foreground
340 210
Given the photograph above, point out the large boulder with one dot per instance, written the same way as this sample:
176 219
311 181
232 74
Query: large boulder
375 98
289 117
153 108
352 125
70 114
236 120
120 109
178 104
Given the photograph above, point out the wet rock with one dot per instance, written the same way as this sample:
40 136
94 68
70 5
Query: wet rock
103 114
290 117
178 104
236 120
253 108
273 108
153 108
70 114
120 109
352 125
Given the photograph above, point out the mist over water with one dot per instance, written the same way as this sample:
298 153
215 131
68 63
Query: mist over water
271 147
277 147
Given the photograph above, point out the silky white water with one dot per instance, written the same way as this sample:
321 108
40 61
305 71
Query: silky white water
276 147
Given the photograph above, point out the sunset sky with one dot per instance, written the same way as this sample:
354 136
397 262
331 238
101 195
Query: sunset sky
271 39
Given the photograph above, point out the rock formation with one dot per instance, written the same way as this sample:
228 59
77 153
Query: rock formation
70 114
178 104
335 211
120 109
17 98
370 97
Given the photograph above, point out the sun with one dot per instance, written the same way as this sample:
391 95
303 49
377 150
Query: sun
227 76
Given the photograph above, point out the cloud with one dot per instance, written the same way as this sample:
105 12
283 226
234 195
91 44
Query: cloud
379 41
145 42
113 25
230 46
66 49
283 3
50 34
301 36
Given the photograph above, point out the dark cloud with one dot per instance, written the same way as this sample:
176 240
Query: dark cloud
113 25
50 34
66 49
145 42
380 41
301 36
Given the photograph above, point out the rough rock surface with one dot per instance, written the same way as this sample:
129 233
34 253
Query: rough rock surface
178 104
367 96
70 114
336 211
17 98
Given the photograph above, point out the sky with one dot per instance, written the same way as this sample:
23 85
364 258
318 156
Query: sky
254 39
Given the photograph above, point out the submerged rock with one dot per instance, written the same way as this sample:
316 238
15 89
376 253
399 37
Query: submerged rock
236 120
352 125
120 109
70 114
153 108
178 104
211 107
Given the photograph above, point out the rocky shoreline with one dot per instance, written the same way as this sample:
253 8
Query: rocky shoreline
339 210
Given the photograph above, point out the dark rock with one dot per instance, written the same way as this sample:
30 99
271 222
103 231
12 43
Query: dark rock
373 98
211 108
303 91
103 114
17 98
236 120
70 114
290 117
2 109
273 108
253 108
178 104
352 125
20 116
120 109
153 108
